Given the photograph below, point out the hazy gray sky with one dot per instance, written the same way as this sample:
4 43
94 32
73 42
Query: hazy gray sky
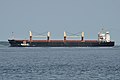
57 16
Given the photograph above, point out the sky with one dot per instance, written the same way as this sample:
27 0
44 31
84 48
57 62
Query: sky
57 16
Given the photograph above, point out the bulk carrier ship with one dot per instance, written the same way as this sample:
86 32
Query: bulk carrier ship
102 41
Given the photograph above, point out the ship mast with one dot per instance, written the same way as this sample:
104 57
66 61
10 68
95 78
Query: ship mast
48 36
65 35
30 36
82 36
13 37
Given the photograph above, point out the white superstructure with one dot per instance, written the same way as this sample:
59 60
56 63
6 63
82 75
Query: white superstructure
107 37
104 36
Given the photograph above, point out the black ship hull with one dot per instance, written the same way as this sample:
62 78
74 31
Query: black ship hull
62 43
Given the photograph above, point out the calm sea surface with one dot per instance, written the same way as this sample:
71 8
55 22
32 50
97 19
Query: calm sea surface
59 63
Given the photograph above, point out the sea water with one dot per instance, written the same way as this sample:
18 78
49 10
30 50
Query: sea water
46 63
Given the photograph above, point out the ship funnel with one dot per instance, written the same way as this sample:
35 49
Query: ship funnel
65 35
48 36
30 36
82 36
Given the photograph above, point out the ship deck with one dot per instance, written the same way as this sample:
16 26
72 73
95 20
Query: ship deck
58 40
